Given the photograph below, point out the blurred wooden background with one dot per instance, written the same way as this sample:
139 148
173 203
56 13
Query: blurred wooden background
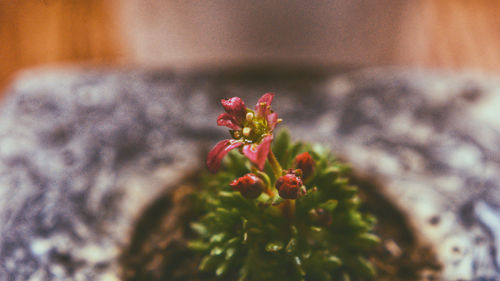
36 32
456 34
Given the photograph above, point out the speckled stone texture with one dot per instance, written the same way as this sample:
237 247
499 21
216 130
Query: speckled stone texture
83 153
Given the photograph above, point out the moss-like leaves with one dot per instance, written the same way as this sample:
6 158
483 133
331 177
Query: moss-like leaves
323 236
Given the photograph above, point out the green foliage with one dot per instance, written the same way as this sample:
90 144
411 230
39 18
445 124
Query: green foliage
320 236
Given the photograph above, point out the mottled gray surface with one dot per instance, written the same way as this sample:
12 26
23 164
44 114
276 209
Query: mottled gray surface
84 152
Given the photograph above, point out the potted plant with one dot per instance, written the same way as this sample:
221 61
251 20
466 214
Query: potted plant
278 210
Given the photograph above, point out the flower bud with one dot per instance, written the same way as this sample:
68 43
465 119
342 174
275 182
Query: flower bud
250 186
305 162
289 186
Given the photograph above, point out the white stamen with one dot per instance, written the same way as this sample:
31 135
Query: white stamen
249 116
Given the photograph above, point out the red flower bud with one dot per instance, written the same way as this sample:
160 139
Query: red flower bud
305 162
289 186
249 185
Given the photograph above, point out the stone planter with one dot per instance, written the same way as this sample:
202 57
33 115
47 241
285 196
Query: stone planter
89 160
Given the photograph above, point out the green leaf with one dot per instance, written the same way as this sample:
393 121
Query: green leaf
298 264
233 241
227 217
370 220
307 254
367 240
366 268
237 163
230 200
308 201
330 173
316 229
274 246
361 266
355 220
320 150
263 176
198 245
329 205
222 269
280 146
243 274
325 275
345 169
333 262
263 199
277 200
199 228
291 246
226 194
207 263
345 277
341 181
255 230
230 253
219 237
216 251
293 151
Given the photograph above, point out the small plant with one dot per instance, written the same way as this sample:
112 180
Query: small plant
280 211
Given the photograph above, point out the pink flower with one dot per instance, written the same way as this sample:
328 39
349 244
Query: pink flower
218 152
249 185
253 130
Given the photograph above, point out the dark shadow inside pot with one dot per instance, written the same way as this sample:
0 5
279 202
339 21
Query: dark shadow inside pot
400 255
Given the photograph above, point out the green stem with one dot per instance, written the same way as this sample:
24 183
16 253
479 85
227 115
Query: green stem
288 209
265 178
275 165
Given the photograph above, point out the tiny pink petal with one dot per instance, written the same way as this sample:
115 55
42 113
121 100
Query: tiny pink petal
235 107
264 104
258 155
225 119
220 150
272 120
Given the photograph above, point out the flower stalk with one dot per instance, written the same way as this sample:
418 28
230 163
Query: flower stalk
275 165
288 210
266 179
